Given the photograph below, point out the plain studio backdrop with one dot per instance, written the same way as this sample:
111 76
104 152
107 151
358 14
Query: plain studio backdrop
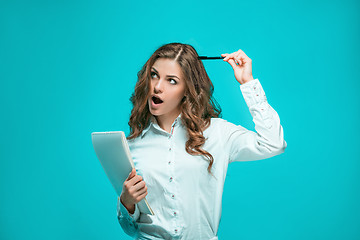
68 68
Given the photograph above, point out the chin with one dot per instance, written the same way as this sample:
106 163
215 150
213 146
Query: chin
153 112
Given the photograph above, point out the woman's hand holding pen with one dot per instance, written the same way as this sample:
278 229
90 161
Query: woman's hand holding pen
241 64
134 190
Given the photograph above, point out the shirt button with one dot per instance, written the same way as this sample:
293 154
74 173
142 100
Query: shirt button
169 149
173 196
174 213
169 162
170 179
176 230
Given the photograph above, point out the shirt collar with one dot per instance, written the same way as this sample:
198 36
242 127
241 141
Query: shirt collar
153 122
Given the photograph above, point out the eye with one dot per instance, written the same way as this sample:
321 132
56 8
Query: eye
174 82
152 74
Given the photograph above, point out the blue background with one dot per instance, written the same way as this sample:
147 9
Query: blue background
68 68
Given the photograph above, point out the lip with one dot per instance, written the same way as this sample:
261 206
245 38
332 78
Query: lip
154 95
153 104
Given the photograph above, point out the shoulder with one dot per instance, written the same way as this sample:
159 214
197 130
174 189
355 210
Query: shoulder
132 142
216 123
225 127
219 122
220 130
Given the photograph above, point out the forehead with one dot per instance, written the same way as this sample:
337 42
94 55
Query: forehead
168 67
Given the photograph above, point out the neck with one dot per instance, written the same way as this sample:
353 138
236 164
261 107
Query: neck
165 122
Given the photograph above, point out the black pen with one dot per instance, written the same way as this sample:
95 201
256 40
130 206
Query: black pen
205 57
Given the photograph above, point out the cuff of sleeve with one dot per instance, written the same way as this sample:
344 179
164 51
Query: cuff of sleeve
123 212
253 92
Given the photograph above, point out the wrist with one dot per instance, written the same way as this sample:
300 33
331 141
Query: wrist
129 207
246 81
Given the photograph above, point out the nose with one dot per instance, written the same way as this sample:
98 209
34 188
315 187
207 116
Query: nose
158 86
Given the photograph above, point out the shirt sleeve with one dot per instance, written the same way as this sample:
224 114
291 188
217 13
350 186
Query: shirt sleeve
127 221
267 141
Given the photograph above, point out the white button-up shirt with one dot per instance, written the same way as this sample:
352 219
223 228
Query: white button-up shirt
185 198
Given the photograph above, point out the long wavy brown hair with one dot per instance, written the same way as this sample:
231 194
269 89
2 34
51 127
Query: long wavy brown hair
197 108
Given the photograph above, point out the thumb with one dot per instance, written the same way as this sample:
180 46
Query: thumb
131 174
232 63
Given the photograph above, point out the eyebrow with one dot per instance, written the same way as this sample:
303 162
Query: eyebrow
166 75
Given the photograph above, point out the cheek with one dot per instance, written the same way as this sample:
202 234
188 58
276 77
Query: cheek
151 85
177 94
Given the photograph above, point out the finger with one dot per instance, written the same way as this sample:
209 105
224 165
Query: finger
139 185
232 63
131 174
140 191
243 53
239 58
135 180
244 57
229 56
141 196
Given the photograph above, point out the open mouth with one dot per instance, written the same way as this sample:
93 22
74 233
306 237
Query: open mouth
156 100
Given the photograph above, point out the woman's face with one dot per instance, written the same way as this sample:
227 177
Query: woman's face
168 84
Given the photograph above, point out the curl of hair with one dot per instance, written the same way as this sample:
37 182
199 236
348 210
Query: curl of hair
197 107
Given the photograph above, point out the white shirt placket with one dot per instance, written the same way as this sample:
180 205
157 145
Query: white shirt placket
172 182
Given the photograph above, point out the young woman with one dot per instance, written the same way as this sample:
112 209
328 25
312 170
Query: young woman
181 147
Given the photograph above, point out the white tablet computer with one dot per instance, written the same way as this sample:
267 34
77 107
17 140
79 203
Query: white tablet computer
114 155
